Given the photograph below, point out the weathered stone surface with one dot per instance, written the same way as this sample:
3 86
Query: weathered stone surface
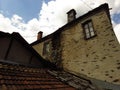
74 81
95 56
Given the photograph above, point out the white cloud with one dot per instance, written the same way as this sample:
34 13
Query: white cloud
53 15
117 31
16 24
5 24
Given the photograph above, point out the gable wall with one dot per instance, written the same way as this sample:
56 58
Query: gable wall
4 45
13 50
98 57
19 52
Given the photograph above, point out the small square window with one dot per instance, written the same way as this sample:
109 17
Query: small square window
88 29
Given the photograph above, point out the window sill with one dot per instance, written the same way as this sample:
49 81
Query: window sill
90 37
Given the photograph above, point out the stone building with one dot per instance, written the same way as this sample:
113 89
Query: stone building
84 46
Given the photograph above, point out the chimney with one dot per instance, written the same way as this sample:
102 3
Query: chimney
71 15
39 36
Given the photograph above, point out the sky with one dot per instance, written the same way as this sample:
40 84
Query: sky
28 17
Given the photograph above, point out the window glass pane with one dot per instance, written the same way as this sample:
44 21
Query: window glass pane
48 48
91 29
92 33
87 35
90 24
86 30
86 26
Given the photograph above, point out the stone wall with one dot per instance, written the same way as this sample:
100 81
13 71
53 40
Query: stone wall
39 48
98 57
44 49
50 49
18 53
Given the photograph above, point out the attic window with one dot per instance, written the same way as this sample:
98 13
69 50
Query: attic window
88 29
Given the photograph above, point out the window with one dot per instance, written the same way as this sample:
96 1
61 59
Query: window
46 48
88 29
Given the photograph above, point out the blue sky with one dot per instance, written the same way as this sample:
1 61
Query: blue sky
27 9
28 17
116 18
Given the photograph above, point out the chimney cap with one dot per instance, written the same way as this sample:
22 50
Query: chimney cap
39 36
40 32
72 10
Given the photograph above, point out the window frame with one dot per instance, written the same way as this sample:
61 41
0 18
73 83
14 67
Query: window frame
88 27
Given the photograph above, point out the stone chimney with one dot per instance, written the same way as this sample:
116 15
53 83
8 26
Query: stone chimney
71 15
39 36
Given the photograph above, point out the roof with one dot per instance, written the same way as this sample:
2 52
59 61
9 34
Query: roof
90 13
20 77
20 39
79 83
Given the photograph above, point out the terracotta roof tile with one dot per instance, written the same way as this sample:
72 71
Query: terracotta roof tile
17 77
